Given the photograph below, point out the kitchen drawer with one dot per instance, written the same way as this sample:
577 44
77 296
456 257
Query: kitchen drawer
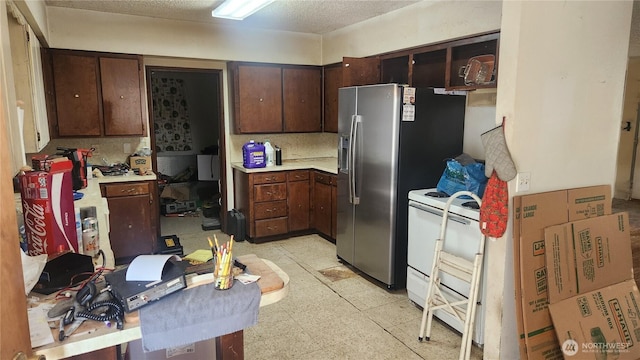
125 189
271 192
325 178
271 227
271 209
298 175
270 177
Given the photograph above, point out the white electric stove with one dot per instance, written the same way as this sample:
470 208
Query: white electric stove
462 235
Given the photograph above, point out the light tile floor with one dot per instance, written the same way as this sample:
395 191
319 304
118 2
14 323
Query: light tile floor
330 311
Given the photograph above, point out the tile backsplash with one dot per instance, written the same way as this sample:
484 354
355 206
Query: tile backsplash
108 150
294 146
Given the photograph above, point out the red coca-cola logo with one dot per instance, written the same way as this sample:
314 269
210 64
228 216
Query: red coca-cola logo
36 228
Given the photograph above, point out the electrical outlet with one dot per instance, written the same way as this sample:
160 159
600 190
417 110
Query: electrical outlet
126 148
523 181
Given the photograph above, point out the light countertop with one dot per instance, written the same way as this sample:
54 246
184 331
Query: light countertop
326 164
92 336
93 198
92 190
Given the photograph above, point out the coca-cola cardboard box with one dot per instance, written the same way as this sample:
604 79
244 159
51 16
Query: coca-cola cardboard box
47 206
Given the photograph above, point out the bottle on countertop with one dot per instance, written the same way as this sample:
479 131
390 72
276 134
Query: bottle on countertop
269 153
278 155
253 155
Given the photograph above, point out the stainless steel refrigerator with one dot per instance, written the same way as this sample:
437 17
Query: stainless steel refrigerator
383 153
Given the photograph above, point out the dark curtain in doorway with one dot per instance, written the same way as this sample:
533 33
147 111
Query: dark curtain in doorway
170 113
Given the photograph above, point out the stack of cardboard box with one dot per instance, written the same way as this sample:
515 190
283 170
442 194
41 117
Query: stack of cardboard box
593 298
562 212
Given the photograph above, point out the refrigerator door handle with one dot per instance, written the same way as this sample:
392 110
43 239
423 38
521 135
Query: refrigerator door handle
350 160
355 121
340 153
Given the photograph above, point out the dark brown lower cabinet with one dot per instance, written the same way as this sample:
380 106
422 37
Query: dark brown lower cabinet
133 218
282 203
298 200
324 203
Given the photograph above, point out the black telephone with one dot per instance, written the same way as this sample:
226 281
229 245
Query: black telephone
87 293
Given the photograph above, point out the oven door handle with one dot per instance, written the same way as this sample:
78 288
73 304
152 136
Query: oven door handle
440 213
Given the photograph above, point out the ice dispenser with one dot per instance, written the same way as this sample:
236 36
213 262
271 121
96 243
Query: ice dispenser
343 154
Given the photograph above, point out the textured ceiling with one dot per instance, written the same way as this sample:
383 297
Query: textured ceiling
306 16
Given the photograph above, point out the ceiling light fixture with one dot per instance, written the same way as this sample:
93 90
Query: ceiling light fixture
239 9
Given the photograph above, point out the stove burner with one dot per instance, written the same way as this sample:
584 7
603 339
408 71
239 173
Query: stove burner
437 194
471 205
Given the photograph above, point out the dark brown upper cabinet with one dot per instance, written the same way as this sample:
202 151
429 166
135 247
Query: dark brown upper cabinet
360 71
440 65
93 94
332 82
273 98
351 72
302 99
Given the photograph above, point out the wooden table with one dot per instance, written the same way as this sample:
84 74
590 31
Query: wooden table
99 342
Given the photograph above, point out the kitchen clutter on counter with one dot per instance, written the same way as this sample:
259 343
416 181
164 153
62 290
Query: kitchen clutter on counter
60 208
140 162
260 154
47 204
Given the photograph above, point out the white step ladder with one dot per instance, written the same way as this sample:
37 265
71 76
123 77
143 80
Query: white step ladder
469 270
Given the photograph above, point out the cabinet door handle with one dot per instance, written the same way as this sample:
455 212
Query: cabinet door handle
76 96
130 226
121 96
261 100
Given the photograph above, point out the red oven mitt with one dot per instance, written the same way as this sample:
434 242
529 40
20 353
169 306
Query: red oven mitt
494 211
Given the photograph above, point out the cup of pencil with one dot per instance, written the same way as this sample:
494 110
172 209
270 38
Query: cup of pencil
223 265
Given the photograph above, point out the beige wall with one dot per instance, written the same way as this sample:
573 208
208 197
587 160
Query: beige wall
36 14
90 30
626 146
426 22
560 86
7 93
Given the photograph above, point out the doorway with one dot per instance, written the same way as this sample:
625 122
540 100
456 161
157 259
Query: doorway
187 138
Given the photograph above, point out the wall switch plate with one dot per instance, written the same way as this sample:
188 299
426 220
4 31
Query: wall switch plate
523 181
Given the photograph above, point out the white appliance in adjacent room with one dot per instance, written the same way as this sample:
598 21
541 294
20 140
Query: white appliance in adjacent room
208 168
462 237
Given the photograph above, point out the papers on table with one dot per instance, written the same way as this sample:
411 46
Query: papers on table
38 325
200 256
148 267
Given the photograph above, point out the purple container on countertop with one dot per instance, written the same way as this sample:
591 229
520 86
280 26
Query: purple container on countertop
253 155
